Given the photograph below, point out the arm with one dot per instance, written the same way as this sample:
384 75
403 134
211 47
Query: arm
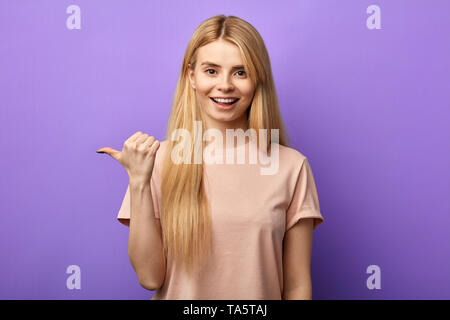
145 248
297 247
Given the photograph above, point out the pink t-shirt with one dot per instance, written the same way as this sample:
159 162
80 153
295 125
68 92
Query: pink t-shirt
250 214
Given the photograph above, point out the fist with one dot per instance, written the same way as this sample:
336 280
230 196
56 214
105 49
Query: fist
137 155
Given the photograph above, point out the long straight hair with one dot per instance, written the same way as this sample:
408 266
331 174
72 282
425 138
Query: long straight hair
186 221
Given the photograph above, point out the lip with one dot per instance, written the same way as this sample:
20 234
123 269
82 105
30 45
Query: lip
225 97
223 106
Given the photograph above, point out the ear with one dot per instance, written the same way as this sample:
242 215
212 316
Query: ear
191 76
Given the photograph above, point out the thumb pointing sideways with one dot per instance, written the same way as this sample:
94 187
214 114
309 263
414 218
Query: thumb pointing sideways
110 151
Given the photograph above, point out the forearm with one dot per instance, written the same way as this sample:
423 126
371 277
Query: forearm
303 292
145 247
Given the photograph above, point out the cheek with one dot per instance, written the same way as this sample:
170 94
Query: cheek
246 88
204 85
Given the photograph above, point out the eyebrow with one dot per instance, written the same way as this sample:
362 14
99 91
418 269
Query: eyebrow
211 64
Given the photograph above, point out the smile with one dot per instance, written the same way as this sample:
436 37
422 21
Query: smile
225 103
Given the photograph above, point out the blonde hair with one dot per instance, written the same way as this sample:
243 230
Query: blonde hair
186 222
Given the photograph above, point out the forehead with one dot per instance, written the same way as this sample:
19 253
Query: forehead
221 52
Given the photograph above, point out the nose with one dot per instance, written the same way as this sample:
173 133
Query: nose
225 84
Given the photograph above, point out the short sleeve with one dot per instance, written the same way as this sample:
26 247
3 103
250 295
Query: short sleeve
124 211
305 201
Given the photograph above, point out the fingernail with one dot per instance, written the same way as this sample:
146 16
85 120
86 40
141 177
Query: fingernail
99 151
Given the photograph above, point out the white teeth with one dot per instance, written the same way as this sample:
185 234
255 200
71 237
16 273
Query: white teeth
224 100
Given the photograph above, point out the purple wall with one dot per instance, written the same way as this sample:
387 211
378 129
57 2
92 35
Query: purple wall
368 107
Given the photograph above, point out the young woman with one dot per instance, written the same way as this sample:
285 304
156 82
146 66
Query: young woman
211 230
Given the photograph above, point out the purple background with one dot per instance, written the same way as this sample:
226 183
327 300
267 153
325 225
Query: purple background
369 108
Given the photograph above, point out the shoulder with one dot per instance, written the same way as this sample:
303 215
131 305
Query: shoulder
286 162
159 158
163 144
291 157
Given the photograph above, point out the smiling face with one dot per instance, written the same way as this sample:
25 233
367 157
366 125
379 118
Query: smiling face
220 73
